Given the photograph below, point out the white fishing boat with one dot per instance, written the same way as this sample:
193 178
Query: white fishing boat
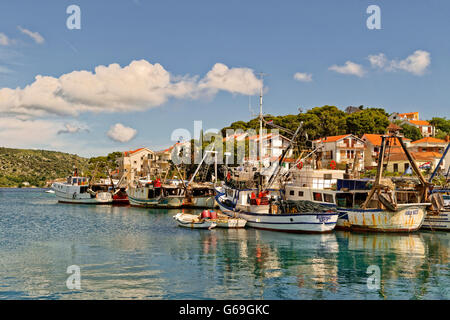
77 190
193 221
272 213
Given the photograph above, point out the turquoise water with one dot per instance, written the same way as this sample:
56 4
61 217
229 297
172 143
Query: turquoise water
134 253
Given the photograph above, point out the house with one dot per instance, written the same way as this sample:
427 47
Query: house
273 145
398 162
341 149
426 128
136 163
373 145
430 144
412 119
404 116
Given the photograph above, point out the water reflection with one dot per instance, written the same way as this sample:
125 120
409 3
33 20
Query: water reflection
133 253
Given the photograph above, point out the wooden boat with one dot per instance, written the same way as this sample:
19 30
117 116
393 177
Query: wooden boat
153 194
120 197
77 190
387 207
193 221
438 215
199 195
224 221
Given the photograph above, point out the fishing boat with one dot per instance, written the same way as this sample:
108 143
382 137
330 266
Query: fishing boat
199 195
273 213
387 206
77 190
194 221
438 215
145 193
154 194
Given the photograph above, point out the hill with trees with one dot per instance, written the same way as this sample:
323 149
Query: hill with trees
20 167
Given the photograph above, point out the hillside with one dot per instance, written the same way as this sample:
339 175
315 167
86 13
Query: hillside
36 166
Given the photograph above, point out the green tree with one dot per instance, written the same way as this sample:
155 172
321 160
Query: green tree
371 120
411 132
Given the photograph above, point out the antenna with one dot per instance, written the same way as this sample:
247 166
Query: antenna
261 75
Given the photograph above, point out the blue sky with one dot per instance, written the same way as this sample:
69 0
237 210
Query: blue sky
188 38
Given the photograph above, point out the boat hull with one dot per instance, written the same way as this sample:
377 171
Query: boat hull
199 202
192 222
314 222
440 221
71 194
408 218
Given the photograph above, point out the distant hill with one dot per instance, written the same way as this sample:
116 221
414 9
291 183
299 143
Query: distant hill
36 167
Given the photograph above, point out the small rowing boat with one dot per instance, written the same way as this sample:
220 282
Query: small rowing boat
193 221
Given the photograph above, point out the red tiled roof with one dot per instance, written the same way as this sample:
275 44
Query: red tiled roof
332 138
408 114
418 156
420 122
375 139
429 140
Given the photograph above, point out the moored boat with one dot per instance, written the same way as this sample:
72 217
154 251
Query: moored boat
77 190
193 221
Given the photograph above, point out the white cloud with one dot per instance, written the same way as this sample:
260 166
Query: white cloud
73 128
304 77
4 40
120 133
234 80
349 68
136 87
5 70
34 35
18 133
416 63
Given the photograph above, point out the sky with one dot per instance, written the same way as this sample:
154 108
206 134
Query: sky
137 70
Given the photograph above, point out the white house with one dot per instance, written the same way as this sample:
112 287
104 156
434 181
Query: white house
341 149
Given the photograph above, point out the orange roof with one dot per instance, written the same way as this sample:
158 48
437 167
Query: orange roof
419 122
375 139
426 155
429 140
132 151
332 138
408 114
419 156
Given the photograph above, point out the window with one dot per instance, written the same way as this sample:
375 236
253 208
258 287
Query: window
327 176
395 167
317 196
300 193
328 198
406 166
291 193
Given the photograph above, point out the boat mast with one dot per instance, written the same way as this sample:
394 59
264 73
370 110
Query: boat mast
260 125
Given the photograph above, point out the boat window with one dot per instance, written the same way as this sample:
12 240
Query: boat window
291 193
317 196
300 193
327 176
83 189
328 198
344 200
360 197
